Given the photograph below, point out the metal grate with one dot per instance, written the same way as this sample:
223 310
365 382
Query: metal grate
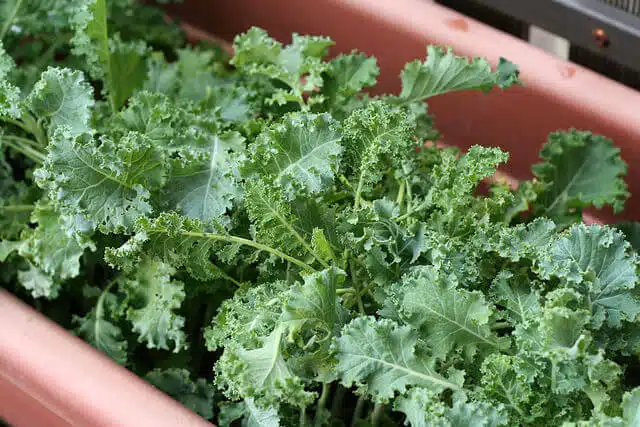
630 6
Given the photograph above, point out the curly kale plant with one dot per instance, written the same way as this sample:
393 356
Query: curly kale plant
272 246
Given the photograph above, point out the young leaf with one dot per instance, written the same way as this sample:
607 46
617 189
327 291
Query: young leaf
300 153
597 261
373 136
152 298
444 72
10 102
63 96
381 358
255 53
204 185
449 317
108 184
100 332
120 64
315 305
580 169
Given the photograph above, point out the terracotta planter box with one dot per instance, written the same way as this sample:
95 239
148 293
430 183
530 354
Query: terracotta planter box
50 378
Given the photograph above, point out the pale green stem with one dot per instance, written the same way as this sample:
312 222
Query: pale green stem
375 415
400 197
251 243
34 155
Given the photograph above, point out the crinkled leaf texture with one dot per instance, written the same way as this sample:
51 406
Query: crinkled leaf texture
381 358
300 153
153 299
106 183
444 72
580 169
597 261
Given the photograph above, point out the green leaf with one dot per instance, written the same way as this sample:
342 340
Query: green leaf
444 72
248 317
65 98
631 407
509 380
450 317
346 76
521 301
196 395
252 415
299 153
255 53
10 100
153 299
100 332
51 248
204 186
315 305
271 215
381 358
261 373
38 283
106 183
121 64
579 169
373 137
597 261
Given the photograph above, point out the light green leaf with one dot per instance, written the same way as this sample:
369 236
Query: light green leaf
300 153
515 294
579 169
100 332
381 358
10 100
105 182
50 247
38 283
63 96
315 307
444 72
598 262
120 64
375 137
203 187
631 407
450 317
153 299
255 53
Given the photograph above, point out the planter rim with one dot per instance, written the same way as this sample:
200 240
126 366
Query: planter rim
45 370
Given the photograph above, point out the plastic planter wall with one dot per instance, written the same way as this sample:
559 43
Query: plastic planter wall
50 378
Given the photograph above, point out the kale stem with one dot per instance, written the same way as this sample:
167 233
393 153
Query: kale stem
377 412
357 288
326 389
400 197
17 123
18 145
500 325
336 403
10 18
17 208
303 417
251 243
356 203
358 410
